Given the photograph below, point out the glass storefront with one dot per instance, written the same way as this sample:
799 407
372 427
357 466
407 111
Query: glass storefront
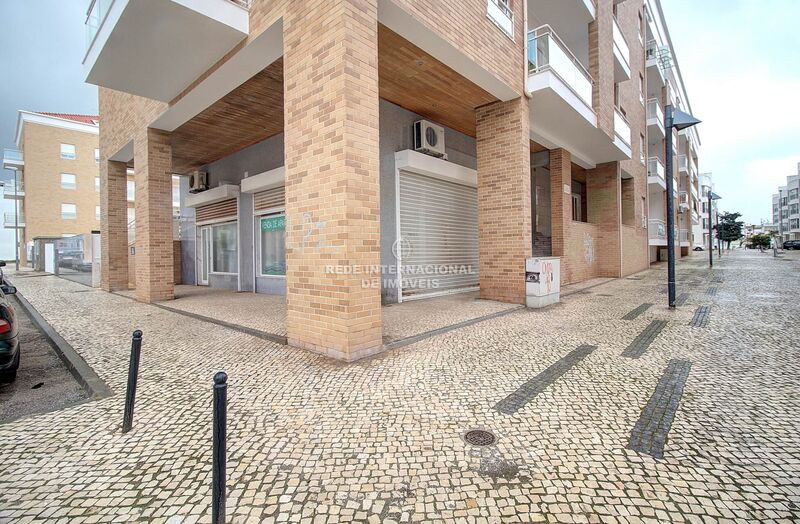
273 245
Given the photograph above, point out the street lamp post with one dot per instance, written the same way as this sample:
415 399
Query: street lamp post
673 119
711 197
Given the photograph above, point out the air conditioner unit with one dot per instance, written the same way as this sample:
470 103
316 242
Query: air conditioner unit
198 181
429 138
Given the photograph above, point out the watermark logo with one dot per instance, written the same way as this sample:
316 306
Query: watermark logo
402 248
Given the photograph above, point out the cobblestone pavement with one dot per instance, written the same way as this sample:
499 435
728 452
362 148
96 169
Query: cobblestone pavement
267 313
381 440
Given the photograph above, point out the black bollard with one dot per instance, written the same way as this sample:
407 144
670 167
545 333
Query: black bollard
133 377
219 437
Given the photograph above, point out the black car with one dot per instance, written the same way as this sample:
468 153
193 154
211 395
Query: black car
9 341
791 244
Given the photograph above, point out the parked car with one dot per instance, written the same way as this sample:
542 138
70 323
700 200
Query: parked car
699 248
9 341
791 244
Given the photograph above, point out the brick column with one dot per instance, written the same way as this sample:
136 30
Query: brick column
504 198
332 192
113 226
601 65
152 158
604 210
561 206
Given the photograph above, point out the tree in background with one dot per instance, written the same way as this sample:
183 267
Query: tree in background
763 240
729 228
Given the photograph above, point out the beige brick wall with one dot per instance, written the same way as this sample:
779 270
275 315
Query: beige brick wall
601 65
504 199
114 266
332 193
44 195
154 250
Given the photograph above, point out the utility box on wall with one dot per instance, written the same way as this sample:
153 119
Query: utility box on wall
542 281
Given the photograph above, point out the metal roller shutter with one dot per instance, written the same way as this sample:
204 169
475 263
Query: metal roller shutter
269 198
217 211
439 232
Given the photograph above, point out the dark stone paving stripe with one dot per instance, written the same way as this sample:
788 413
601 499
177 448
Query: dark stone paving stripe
636 312
701 315
681 299
711 291
526 392
640 344
649 435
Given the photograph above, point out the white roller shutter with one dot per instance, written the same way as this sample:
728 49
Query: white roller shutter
439 236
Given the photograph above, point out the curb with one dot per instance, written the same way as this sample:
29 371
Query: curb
83 373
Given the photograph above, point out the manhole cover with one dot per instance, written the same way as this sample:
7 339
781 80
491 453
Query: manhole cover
479 437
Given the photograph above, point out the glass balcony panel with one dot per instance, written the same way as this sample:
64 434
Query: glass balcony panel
546 51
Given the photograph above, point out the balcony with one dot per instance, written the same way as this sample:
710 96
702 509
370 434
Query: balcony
561 93
622 55
657 232
695 216
156 49
683 200
655 72
499 13
11 191
10 221
655 119
683 164
656 173
622 131
12 159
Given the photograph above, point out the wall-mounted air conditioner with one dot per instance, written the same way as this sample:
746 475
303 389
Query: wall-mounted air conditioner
429 138
198 181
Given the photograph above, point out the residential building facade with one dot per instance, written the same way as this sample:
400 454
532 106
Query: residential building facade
665 86
56 187
786 208
705 228
354 153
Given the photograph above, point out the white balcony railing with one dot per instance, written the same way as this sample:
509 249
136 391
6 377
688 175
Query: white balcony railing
11 220
621 45
651 51
621 127
500 13
546 52
654 110
683 198
11 190
12 155
656 168
657 229
683 165
684 235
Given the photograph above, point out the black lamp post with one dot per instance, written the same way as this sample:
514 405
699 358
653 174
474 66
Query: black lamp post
673 119
711 197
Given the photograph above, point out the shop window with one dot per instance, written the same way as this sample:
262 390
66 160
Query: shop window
224 248
273 245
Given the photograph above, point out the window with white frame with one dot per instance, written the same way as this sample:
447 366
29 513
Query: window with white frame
68 181
97 212
272 234
131 190
97 156
97 183
68 151
641 88
224 248
69 211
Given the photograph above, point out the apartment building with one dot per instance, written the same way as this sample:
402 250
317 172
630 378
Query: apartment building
338 151
786 208
56 187
665 86
705 227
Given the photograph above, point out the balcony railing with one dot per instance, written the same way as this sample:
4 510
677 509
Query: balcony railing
655 168
622 128
657 229
654 110
547 52
500 13
11 220
683 198
684 235
10 189
683 164
621 43
12 155
651 51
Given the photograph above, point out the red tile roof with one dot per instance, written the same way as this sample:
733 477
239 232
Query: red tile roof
83 119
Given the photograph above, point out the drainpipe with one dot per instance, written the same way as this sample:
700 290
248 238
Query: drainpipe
528 94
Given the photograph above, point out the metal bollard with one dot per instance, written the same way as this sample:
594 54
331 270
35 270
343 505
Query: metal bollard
133 377
219 437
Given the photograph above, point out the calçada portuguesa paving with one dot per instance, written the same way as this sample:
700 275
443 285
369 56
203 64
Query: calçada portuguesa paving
567 392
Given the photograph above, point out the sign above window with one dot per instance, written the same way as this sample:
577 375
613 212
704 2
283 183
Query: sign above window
277 223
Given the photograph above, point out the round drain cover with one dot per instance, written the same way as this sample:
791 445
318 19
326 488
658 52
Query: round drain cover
480 437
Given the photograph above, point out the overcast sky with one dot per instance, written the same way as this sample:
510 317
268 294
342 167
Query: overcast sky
43 42
738 58
740 63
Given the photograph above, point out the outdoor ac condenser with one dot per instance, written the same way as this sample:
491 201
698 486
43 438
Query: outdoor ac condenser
198 181
429 138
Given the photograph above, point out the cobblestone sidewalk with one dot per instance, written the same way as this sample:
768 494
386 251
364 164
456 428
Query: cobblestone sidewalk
581 425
